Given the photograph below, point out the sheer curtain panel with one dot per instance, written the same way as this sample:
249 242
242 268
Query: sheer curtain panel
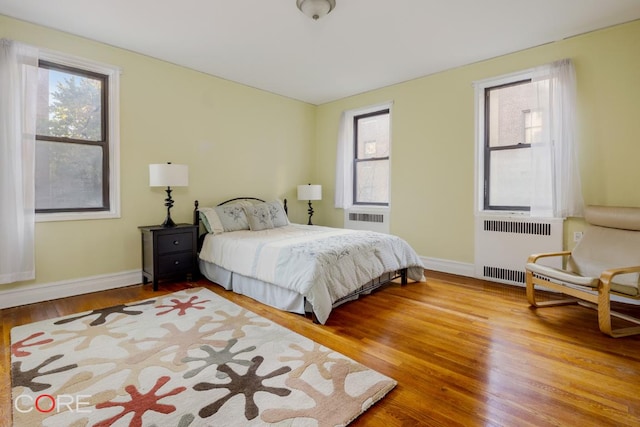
344 164
18 91
556 188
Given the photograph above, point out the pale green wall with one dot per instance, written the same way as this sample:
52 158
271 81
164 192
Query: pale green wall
432 176
236 140
242 141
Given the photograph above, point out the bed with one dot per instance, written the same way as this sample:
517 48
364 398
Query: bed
250 247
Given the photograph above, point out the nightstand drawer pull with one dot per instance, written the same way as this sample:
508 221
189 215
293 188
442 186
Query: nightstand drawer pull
176 242
176 262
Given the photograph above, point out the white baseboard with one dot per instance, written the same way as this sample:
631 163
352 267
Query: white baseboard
448 266
48 291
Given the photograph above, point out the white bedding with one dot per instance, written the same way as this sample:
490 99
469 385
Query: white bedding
322 264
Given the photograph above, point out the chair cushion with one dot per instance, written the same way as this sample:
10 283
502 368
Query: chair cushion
563 275
603 248
575 279
631 291
624 218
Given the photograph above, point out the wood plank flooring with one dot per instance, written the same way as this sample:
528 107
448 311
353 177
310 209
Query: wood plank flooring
464 352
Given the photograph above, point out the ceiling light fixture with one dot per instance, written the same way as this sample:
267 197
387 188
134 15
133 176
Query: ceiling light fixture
316 9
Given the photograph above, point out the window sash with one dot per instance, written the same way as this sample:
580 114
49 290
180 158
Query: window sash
382 162
490 149
362 161
102 142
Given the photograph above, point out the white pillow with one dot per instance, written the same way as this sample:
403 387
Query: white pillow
229 217
278 215
259 217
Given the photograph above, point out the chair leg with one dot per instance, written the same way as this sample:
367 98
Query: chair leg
605 314
625 332
602 304
531 295
604 310
531 290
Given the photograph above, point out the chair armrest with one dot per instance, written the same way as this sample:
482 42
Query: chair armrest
533 258
608 275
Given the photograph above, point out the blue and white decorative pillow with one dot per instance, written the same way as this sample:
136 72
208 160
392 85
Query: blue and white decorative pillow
232 217
259 217
225 218
278 215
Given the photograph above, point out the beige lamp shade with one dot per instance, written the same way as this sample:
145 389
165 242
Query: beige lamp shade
309 192
168 175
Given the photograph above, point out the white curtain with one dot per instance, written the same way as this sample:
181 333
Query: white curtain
344 163
556 188
18 91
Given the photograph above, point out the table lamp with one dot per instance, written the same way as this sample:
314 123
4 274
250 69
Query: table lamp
310 192
168 175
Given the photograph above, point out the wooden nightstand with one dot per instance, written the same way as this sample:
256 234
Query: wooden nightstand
168 252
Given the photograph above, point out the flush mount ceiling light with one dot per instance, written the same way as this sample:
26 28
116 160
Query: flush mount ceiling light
316 9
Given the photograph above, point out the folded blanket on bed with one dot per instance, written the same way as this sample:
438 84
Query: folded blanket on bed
321 263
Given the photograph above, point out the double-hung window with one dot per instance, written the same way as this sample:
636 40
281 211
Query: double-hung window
363 158
76 164
371 158
511 126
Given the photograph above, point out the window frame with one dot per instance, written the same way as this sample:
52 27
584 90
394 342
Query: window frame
482 164
111 134
489 150
102 142
356 160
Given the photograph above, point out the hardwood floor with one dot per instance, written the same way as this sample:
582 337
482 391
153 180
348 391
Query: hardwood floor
464 352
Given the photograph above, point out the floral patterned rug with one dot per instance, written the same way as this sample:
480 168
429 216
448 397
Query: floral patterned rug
190 358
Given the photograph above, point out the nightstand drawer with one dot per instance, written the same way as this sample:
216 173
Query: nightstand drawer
175 263
169 252
176 242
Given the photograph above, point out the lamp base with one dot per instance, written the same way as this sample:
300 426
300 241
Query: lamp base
168 202
168 222
310 211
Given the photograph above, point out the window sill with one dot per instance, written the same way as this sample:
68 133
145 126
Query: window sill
515 214
75 216
518 214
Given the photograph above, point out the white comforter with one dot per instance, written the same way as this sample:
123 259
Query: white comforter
321 263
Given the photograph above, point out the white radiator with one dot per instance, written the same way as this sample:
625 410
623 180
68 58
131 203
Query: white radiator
367 219
503 245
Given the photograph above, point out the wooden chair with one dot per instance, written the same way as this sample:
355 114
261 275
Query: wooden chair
605 262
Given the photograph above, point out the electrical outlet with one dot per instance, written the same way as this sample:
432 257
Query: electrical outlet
577 235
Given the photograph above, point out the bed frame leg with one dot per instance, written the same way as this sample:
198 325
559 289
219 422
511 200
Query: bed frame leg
403 276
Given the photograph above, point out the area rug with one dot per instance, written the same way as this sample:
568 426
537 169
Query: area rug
190 358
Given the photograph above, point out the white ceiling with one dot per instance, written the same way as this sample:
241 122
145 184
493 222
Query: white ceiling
360 46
